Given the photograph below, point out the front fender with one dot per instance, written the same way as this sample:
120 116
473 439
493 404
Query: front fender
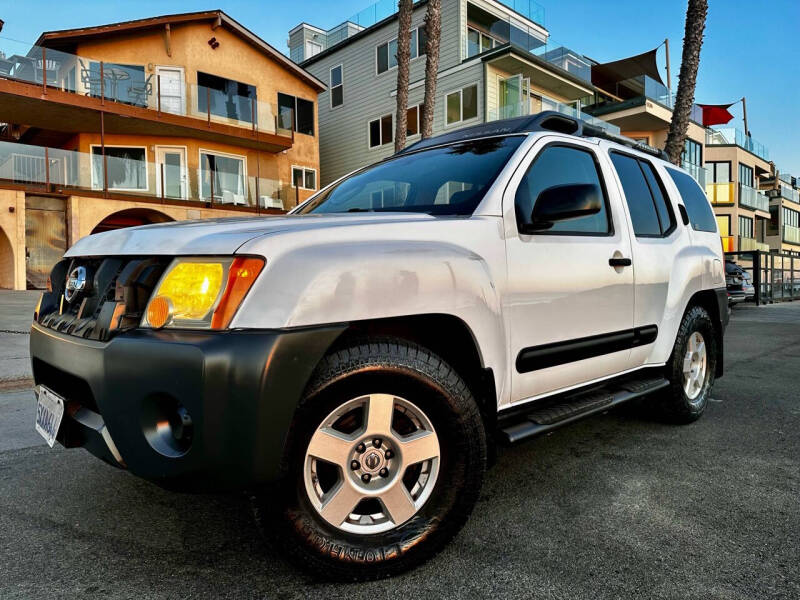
345 281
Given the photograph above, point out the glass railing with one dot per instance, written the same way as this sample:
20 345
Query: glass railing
786 178
790 193
746 244
565 58
700 174
727 243
220 180
791 234
696 114
732 136
133 85
752 198
720 193
521 109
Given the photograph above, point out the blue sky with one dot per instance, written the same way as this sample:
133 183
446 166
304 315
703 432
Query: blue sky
751 49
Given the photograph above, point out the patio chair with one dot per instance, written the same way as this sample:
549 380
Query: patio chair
140 92
51 66
91 80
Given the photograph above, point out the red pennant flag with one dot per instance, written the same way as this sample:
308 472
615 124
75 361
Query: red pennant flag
716 114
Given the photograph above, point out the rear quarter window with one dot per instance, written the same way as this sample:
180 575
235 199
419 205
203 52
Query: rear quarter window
694 199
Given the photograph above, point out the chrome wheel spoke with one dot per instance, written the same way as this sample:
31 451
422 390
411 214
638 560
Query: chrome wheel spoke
398 503
330 445
694 366
341 503
418 447
380 410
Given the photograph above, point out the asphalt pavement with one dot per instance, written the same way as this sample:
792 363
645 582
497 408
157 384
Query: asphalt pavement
616 506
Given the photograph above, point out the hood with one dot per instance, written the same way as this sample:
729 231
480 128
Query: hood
217 236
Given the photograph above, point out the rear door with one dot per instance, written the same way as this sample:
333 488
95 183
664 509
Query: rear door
568 311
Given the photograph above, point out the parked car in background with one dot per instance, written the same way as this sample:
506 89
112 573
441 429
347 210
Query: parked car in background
353 363
734 282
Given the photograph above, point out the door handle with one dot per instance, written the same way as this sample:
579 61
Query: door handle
619 262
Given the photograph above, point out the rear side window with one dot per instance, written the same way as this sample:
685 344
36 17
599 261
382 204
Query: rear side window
562 165
637 194
697 206
665 215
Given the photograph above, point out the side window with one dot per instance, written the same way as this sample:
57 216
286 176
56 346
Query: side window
562 165
665 215
637 195
697 205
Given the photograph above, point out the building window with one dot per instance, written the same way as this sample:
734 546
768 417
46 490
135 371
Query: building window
746 175
381 131
692 153
478 42
223 176
720 172
386 54
462 105
127 168
791 217
225 97
303 111
337 86
304 178
414 120
746 227
312 48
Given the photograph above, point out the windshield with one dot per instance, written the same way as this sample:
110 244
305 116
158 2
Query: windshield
449 180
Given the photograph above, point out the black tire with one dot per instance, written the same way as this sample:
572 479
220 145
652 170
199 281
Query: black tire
391 366
674 403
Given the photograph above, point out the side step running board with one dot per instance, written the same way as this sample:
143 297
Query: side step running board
567 410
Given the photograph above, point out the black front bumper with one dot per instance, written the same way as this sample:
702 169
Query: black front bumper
195 410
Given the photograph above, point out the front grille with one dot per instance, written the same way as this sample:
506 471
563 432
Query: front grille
115 295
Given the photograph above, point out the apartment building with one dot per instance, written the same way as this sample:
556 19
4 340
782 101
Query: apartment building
783 228
737 167
187 116
494 63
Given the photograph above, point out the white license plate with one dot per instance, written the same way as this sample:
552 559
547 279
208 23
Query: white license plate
49 411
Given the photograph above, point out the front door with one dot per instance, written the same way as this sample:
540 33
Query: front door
171 172
172 96
568 310
45 238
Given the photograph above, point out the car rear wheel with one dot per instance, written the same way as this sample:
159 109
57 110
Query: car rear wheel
385 462
691 368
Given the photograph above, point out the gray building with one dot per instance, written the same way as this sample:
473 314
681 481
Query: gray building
494 63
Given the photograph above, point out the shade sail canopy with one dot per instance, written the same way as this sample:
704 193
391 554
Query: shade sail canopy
716 114
608 74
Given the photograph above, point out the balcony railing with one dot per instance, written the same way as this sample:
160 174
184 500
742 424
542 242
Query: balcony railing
720 193
132 85
746 243
791 234
790 193
220 181
736 137
786 178
699 173
752 198
521 109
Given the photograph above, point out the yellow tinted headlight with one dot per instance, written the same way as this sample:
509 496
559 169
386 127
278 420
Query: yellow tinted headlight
193 288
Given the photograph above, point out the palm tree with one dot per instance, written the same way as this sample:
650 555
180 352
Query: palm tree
433 30
403 59
690 61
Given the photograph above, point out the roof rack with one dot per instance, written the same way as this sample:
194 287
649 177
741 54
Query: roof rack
548 120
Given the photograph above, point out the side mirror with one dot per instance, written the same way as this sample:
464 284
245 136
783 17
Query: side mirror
564 203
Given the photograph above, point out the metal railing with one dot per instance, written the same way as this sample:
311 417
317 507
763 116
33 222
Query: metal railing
752 198
133 85
775 275
221 181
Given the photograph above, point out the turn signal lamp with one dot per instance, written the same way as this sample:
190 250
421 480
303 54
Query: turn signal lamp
201 293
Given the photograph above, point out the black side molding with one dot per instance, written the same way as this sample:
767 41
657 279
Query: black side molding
559 353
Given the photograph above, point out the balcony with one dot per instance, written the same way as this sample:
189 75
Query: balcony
521 109
699 173
720 193
791 235
730 136
55 90
220 181
789 193
746 244
752 198
727 243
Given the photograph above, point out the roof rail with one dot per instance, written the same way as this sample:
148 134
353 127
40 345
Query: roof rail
548 120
